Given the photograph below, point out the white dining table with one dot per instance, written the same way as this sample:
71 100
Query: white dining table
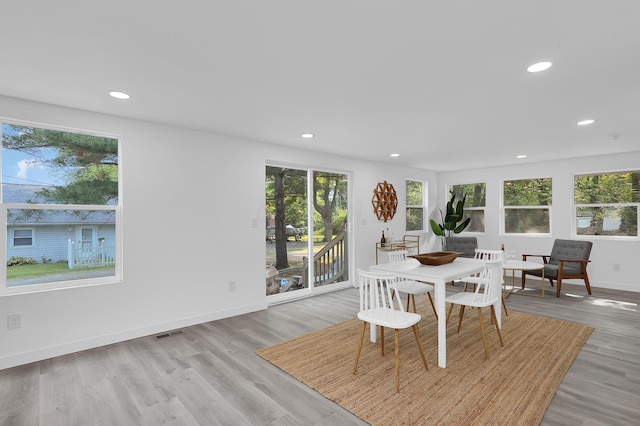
439 276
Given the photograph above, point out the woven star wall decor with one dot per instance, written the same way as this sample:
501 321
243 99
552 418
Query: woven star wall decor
384 201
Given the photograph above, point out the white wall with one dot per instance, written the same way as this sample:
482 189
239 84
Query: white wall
605 253
192 198
190 202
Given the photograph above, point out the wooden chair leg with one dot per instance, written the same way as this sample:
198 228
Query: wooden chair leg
417 334
460 319
495 322
484 335
355 367
449 313
432 305
558 287
504 305
587 284
413 299
382 339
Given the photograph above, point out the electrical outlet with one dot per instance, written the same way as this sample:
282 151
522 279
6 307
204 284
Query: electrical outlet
14 321
232 286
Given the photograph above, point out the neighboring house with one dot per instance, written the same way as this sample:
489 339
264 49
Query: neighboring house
45 235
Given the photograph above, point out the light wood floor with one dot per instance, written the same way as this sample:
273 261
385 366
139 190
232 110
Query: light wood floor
209 374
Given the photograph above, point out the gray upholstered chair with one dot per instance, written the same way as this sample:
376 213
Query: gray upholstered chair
568 260
465 245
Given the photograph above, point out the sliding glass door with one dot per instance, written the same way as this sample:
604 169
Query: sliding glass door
305 237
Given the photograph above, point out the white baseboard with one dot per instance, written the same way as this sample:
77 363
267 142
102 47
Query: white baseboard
616 286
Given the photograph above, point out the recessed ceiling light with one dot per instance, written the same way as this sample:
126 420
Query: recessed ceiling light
540 66
119 95
586 122
521 156
307 135
394 155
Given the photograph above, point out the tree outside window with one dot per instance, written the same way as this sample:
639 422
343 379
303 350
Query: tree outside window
474 204
607 204
527 206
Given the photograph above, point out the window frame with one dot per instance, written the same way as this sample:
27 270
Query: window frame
23 228
576 206
504 208
422 207
116 208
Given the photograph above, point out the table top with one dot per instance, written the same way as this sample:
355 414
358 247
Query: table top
521 265
411 268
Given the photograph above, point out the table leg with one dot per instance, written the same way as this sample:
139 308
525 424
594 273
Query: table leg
440 294
506 293
523 293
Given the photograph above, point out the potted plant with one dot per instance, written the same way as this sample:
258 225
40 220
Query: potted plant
449 220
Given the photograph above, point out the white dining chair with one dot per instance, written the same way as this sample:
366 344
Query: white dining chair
486 255
378 308
488 291
410 287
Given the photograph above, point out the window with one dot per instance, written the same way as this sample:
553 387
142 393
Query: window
607 204
62 186
474 204
527 206
306 231
415 206
23 237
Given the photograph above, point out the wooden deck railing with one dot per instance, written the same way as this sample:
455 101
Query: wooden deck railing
330 263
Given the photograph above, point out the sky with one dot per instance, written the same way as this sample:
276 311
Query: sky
21 168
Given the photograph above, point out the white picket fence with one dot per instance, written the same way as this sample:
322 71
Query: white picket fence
80 256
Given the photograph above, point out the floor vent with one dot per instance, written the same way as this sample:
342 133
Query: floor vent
171 333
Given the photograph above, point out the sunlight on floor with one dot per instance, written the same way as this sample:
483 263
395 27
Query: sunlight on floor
608 303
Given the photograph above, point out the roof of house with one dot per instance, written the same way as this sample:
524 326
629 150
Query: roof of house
18 193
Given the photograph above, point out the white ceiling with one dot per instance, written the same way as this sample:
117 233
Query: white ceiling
442 83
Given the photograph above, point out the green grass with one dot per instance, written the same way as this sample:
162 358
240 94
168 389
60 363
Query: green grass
41 269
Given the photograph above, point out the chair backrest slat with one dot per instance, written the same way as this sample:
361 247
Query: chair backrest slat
397 255
487 255
490 284
376 290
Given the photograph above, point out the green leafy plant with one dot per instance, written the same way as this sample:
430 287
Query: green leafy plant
21 261
450 218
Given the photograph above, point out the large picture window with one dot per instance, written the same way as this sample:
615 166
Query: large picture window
527 206
607 204
474 204
415 205
60 199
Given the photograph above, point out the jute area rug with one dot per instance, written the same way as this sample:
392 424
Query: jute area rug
514 387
